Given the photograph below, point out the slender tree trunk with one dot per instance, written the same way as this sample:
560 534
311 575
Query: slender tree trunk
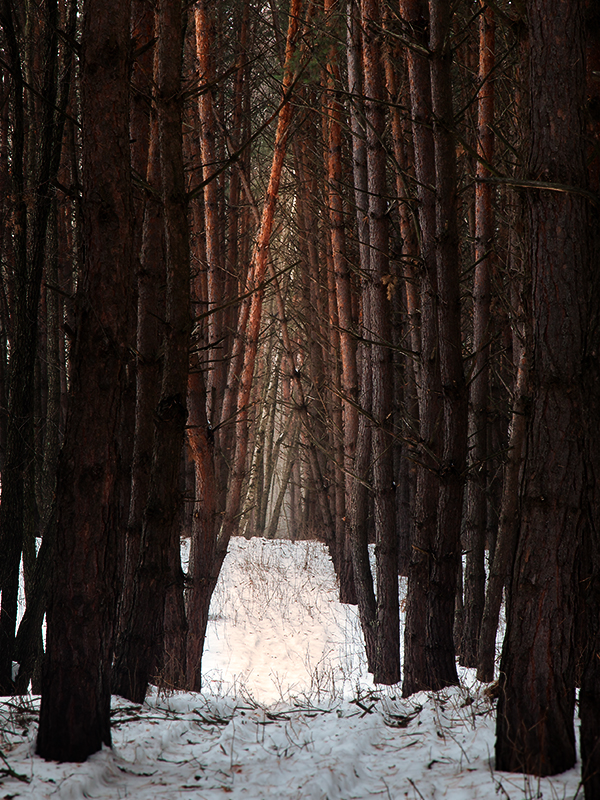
475 519
358 505
387 665
203 541
210 544
150 278
343 298
205 44
418 634
447 549
407 370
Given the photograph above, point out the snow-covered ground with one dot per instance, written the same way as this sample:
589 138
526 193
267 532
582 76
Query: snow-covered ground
288 711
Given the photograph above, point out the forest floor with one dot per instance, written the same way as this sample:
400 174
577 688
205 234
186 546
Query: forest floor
288 711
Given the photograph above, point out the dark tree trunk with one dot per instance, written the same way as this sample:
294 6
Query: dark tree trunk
203 543
75 708
476 506
358 501
447 546
387 663
589 694
535 711
150 278
17 510
140 657
508 526
406 368
417 635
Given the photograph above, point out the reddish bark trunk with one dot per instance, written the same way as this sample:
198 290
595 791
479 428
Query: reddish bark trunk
205 43
241 368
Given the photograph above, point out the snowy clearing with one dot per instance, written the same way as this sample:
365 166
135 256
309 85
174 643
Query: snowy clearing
288 712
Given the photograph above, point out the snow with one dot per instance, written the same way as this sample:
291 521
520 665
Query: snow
288 711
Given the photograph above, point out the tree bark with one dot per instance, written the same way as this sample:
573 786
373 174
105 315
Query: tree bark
508 527
447 546
140 657
476 507
387 663
343 298
535 710
75 708
418 639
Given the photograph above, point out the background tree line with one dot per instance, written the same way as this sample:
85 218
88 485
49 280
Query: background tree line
324 265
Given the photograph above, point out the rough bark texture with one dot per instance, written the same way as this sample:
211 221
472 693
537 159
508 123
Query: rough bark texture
150 278
447 546
429 647
535 711
589 694
358 500
75 709
140 655
416 635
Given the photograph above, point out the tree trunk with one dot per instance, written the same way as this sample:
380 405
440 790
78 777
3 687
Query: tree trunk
343 304
139 659
508 526
387 664
205 43
418 634
358 505
475 518
29 249
589 693
447 546
241 368
75 708
212 543
535 710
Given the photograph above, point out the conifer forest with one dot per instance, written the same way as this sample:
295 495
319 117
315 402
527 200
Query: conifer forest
303 269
